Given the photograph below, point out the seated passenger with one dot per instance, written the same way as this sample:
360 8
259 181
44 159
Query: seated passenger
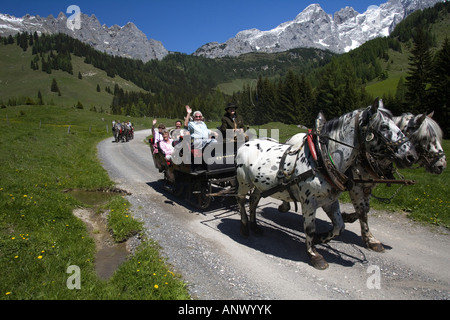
177 133
166 145
232 121
157 135
198 130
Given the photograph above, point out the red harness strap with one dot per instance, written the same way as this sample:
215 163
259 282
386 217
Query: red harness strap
311 145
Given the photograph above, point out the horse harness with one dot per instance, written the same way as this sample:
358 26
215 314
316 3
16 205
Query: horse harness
324 164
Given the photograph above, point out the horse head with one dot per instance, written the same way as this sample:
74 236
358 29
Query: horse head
382 138
426 135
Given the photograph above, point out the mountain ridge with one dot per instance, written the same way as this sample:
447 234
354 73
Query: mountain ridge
315 28
312 28
127 41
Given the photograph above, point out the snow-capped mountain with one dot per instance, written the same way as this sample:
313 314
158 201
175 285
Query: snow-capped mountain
313 27
127 41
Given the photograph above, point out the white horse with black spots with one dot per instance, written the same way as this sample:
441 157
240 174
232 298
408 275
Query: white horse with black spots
426 136
261 164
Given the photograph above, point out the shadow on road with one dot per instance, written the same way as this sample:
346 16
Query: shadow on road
283 233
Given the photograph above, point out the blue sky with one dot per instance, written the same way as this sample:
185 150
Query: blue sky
186 25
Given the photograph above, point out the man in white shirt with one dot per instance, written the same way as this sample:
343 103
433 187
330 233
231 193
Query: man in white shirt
198 129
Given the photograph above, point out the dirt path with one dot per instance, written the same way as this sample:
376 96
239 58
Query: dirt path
208 251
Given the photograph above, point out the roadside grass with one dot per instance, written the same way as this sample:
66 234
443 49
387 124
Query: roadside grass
46 150
147 277
120 220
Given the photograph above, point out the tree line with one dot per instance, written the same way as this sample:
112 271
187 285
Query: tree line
290 87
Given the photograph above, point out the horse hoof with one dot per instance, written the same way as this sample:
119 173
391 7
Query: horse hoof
318 262
376 246
256 229
244 231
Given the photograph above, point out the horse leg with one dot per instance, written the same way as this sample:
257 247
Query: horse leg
333 211
367 236
309 225
360 197
244 219
254 200
243 187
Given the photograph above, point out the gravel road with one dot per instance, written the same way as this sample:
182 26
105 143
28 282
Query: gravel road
218 264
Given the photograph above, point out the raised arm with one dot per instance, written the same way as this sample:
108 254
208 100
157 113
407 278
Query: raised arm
186 120
153 127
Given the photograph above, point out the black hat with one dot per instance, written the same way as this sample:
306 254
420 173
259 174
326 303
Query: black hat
231 105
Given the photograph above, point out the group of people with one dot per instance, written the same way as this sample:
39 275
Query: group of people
118 124
196 128
118 127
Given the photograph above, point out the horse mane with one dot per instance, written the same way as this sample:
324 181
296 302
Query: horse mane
426 131
338 123
403 120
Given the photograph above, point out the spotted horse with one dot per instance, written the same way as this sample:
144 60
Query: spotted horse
267 168
426 136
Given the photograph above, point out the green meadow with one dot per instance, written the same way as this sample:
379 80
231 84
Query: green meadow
45 151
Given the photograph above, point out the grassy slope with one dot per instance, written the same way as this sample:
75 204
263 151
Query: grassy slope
17 80
397 65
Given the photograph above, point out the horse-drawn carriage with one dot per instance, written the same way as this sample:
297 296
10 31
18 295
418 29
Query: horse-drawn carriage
312 169
199 175
122 131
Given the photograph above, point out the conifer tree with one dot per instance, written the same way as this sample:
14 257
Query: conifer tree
419 74
290 103
40 99
440 88
54 87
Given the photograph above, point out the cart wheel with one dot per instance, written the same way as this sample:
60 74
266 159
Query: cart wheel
178 189
201 191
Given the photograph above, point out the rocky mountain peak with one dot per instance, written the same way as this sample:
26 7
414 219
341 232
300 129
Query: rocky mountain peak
345 14
127 41
311 12
314 28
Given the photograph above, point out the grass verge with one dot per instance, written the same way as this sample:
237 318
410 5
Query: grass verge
45 151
